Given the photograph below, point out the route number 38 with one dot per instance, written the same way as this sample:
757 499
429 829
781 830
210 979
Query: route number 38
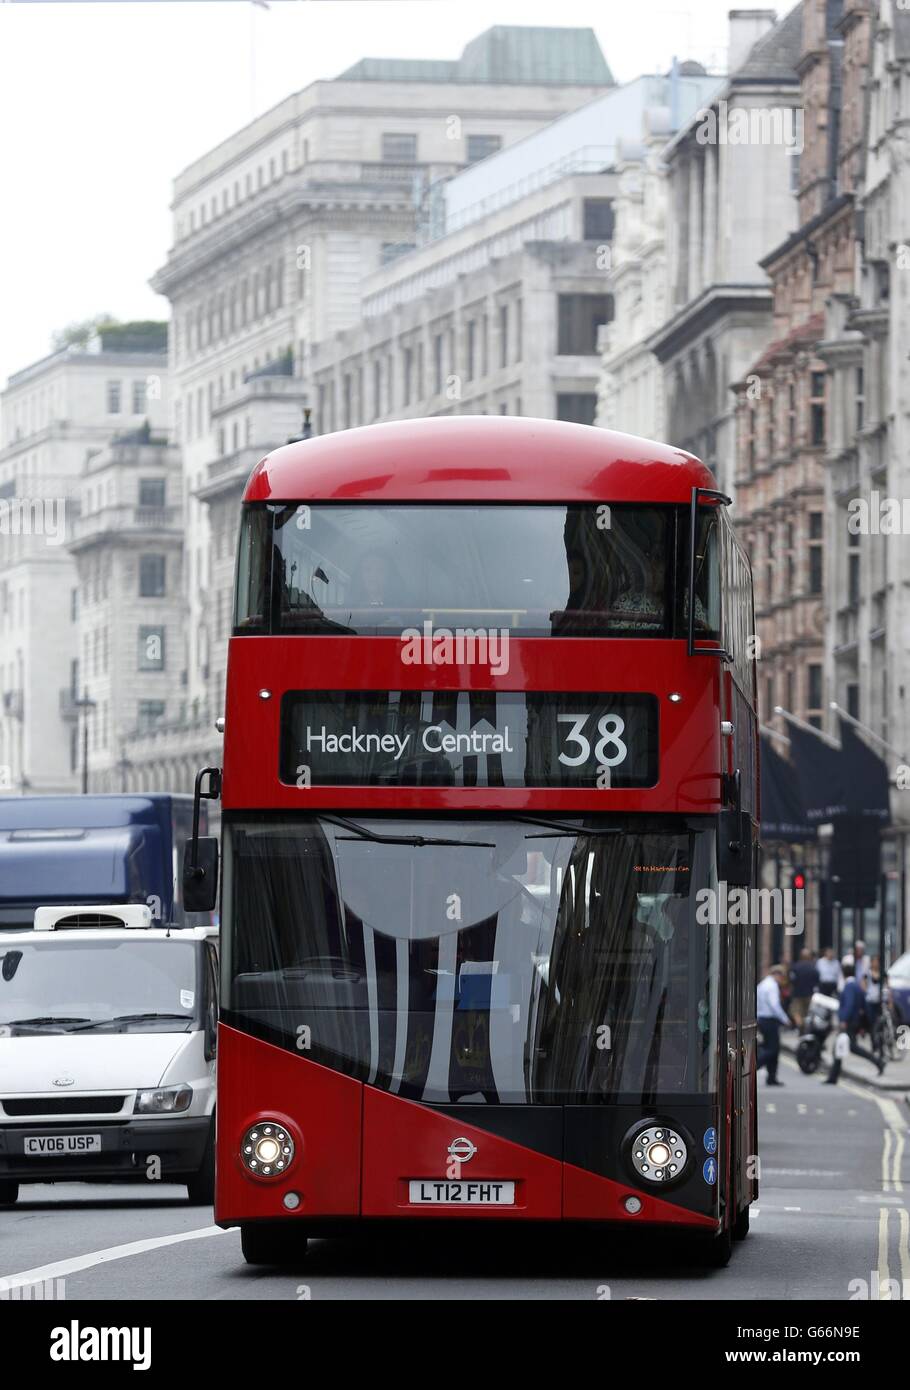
609 750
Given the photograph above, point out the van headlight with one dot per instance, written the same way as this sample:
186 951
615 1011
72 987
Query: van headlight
163 1100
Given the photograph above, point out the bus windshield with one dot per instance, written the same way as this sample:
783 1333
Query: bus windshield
583 571
522 962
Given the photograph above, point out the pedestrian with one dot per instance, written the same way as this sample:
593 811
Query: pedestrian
858 959
830 973
771 1016
850 1015
804 981
873 1000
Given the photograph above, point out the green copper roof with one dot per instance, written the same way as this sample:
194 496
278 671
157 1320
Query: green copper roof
503 54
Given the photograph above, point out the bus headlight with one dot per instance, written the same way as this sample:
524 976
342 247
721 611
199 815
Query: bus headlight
658 1153
267 1149
164 1100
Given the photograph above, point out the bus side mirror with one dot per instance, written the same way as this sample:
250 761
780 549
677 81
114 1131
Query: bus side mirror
734 849
200 874
200 856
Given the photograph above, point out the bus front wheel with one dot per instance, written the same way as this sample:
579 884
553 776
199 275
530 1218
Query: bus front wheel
741 1225
712 1252
9 1192
263 1243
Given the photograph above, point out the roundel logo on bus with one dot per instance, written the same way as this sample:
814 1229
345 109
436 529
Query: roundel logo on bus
462 1149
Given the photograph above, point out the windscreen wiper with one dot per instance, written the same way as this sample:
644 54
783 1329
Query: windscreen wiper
128 1018
565 828
43 1019
360 832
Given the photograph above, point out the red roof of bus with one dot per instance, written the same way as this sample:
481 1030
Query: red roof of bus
479 458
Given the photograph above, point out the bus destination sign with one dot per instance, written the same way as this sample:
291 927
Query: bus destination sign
464 738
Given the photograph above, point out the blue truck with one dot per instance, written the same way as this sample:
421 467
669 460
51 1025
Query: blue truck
61 850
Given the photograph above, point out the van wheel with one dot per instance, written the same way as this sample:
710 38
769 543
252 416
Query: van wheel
9 1191
200 1188
264 1243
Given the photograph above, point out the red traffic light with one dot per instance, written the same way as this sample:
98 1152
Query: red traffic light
799 879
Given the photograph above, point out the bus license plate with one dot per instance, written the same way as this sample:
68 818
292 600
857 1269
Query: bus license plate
425 1191
50 1145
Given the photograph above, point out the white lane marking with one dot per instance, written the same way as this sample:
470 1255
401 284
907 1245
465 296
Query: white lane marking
884 1287
771 1108
903 1245
804 1172
802 1109
896 1126
60 1268
792 1208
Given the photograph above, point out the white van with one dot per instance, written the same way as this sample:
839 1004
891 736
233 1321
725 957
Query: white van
107 1050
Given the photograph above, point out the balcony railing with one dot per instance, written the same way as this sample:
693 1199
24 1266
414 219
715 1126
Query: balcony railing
125 518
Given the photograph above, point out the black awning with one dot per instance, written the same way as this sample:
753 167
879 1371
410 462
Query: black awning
783 815
822 776
866 777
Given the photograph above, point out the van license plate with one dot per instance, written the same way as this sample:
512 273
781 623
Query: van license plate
50 1145
424 1191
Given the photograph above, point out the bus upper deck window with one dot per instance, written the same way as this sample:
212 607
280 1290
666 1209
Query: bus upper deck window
252 587
707 576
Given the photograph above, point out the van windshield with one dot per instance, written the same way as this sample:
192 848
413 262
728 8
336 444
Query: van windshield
122 986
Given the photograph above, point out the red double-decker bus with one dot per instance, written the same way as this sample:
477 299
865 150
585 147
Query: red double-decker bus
489 775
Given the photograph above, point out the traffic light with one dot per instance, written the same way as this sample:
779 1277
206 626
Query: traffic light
798 880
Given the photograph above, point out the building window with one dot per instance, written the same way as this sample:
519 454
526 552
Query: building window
484 345
150 713
138 397
791 415
518 317
391 250
853 699
399 149
437 362
481 146
580 407
817 408
151 576
471 348
769 697
860 398
152 492
853 571
346 399
598 219
407 384
150 650
815 686
113 397
816 556
503 334
580 316
377 389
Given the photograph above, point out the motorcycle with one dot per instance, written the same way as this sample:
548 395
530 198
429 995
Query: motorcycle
821 1018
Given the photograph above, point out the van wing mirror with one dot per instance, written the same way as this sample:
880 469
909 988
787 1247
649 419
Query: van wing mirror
200 857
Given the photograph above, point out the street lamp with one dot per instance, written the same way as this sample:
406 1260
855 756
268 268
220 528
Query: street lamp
85 704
